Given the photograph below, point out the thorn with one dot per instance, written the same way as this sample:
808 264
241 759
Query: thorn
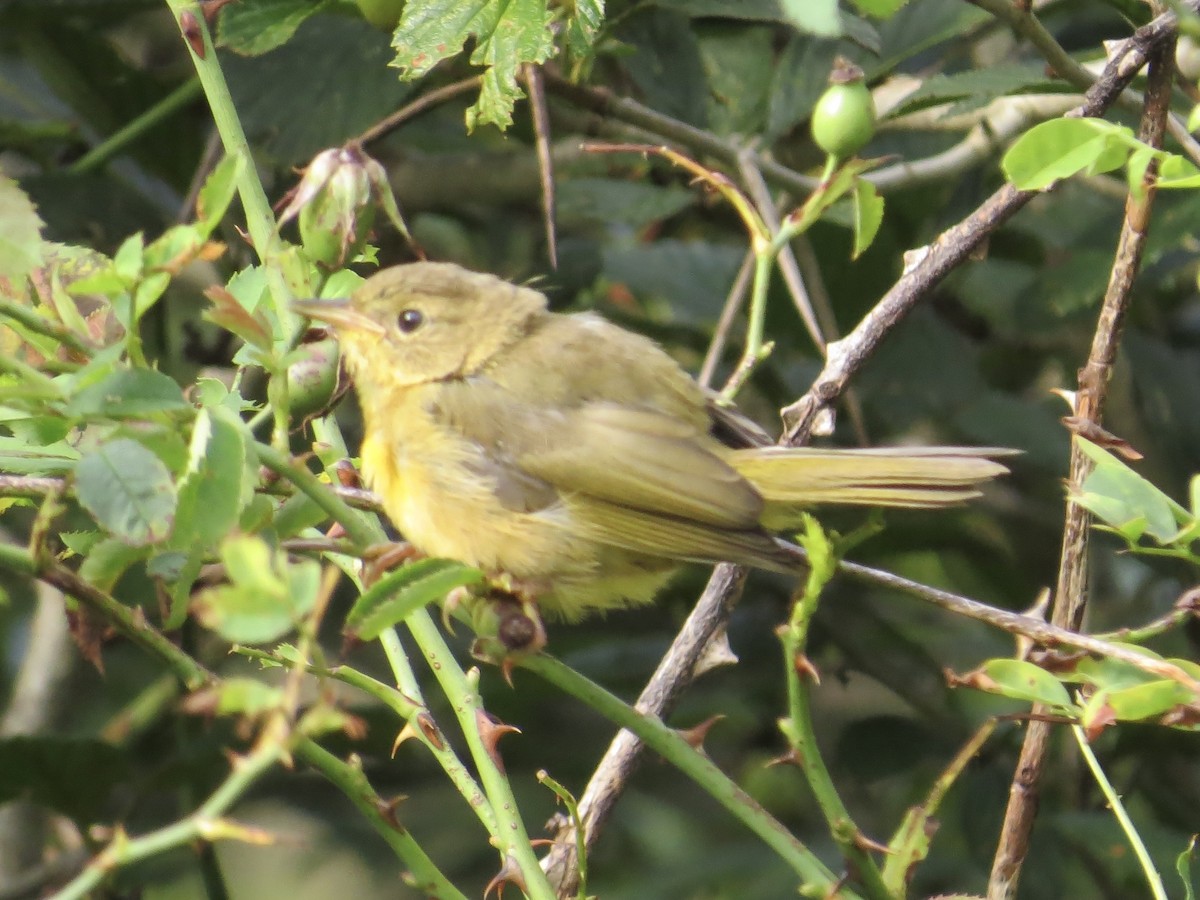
716 653
506 670
1024 645
697 733
405 733
491 730
805 667
450 606
387 810
791 757
862 842
510 873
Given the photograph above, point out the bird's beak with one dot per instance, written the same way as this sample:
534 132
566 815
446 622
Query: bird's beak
338 313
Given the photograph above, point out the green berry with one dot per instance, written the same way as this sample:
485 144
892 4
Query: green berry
843 120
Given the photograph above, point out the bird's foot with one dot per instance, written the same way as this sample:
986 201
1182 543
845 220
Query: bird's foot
380 558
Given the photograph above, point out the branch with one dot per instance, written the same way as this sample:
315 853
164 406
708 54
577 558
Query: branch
1070 597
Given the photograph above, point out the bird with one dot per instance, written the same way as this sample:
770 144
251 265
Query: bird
577 458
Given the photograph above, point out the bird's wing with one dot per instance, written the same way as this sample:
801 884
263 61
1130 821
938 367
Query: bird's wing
636 479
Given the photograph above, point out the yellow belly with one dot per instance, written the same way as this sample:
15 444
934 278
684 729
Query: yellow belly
432 494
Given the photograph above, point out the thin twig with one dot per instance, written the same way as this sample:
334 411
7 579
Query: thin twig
1070 597
734 302
757 189
425 102
541 133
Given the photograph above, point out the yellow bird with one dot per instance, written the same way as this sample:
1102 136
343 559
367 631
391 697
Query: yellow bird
574 456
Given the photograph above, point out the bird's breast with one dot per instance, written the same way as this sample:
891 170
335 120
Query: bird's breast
435 487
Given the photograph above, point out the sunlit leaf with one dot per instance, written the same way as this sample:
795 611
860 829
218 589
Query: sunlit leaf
20 232
507 33
1061 148
266 597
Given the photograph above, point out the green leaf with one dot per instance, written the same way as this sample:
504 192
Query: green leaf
814 16
128 491
216 195
401 592
322 88
73 776
1061 148
266 597
256 26
1183 865
1126 501
868 215
20 232
1144 701
128 393
246 696
508 34
975 88
880 8
108 560
1023 680
215 485
612 202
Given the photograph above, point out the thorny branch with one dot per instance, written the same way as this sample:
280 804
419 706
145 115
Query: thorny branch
1070 598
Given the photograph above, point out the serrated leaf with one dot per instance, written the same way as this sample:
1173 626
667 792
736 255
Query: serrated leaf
1023 680
128 491
20 232
214 487
507 33
108 560
1061 148
978 86
256 26
401 592
128 393
246 696
324 87
266 597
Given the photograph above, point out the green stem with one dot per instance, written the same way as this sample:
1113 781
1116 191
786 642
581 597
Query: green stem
203 824
425 877
362 531
510 834
798 726
38 384
676 750
1157 889
124 619
39 325
123 137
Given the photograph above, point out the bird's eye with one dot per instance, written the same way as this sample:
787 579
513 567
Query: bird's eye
410 320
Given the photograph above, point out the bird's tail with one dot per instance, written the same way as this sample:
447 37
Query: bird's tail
920 477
